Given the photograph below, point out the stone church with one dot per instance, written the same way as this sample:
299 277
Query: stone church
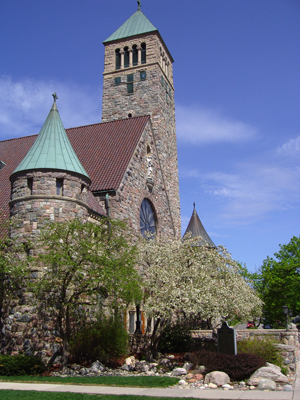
125 167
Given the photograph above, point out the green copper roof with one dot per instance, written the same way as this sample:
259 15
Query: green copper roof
52 148
137 24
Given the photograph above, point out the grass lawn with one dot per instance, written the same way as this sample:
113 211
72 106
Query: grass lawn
31 395
133 381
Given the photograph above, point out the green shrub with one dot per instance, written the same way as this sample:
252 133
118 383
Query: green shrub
103 340
175 339
238 367
261 348
21 365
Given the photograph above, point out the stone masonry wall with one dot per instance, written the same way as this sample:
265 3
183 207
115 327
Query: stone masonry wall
30 211
133 189
23 330
152 96
288 341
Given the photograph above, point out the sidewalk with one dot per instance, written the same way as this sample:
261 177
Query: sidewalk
183 393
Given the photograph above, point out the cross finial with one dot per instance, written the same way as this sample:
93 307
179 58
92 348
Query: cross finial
54 97
194 204
139 4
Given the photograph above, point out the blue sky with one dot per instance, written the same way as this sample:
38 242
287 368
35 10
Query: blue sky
237 78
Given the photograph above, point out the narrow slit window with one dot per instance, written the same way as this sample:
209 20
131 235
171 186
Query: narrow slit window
118 59
30 185
134 55
131 321
143 55
59 187
126 57
129 87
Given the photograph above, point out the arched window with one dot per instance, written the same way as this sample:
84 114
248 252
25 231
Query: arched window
147 218
126 57
118 59
134 55
143 59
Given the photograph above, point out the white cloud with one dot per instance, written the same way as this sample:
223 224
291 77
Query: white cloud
254 190
26 104
291 147
251 192
199 125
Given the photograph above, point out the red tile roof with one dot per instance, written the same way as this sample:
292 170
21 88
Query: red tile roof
104 150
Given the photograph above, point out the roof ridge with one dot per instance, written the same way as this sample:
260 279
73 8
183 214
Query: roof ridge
108 122
17 138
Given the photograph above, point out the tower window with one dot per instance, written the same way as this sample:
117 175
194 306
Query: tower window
143 55
129 87
134 55
143 75
130 78
126 57
118 80
130 83
118 59
59 186
30 184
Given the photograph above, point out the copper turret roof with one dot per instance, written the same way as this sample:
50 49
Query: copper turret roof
137 24
52 148
197 230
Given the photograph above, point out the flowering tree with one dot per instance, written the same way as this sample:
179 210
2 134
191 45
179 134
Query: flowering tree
81 264
13 271
183 280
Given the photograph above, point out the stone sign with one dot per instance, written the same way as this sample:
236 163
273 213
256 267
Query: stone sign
226 339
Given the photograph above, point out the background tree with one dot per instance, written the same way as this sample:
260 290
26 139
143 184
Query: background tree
83 264
278 281
183 281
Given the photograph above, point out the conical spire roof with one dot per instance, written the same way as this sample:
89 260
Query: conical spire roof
137 24
197 230
52 148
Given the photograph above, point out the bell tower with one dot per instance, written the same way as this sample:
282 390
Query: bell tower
138 80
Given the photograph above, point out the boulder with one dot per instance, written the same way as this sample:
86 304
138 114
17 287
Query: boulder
130 361
266 384
288 388
198 377
142 366
188 366
83 371
269 372
97 367
179 371
212 385
217 377
165 362
129 364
